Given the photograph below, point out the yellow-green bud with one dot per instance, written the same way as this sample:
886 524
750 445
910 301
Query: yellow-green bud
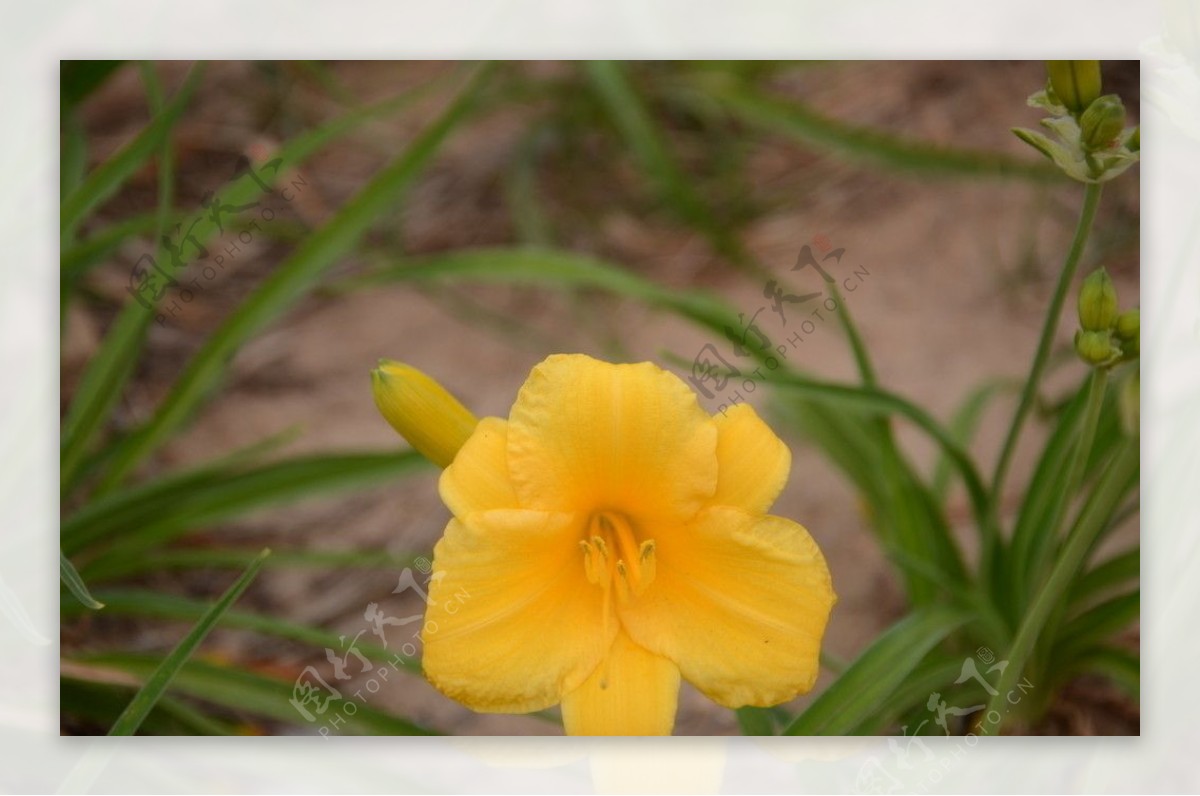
1102 122
1075 83
425 414
1096 348
1134 143
1129 324
1128 330
1097 302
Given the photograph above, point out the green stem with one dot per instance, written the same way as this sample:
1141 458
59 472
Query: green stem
1091 199
1092 520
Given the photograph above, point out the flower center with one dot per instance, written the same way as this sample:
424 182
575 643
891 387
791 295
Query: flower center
612 555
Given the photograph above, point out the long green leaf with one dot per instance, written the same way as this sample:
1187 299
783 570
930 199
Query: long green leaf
1096 625
74 583
935 674
877 673
111 568
799 122
77 79
149 497
141 517
632 118
101 703
160 679
104 181
1038 503
290 281
136 602
76 260
1114 572
258 695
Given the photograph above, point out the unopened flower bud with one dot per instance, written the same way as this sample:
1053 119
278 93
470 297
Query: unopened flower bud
1102 122
425 414
1097 302
1096 348
1075 83
1129 324
1129 332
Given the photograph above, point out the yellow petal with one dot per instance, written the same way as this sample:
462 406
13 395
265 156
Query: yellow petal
512 623
633 692
586 435
422 411
740 603
752 463
478 479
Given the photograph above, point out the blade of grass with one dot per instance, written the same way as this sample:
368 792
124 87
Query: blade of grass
101 703
104 181
1065 484
149 497
877 673
633 120
290 281
1038 502
159 680
135 524
1114 572
256 694
932 676
74 583
162 561
756 721
541 267
1095 625
77 79
138 602
80 257
801 123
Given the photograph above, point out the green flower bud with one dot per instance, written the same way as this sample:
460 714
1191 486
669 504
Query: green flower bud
1096 348
1129 333
1102 122
1075 83
1134 143
1129 325
1097 302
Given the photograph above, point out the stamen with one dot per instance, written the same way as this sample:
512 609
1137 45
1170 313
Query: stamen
614 559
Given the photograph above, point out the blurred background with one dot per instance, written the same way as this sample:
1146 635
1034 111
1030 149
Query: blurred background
691 175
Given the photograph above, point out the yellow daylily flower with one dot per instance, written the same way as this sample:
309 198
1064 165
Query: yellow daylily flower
610 539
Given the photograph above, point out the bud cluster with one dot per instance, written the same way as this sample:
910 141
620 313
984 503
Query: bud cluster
1089 140
1105 336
